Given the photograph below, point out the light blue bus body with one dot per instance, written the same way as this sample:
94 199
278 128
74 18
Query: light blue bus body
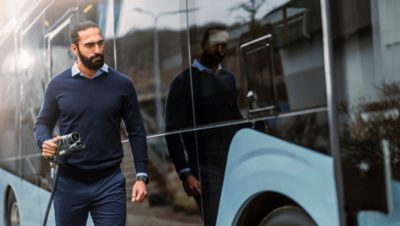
32 200
258 163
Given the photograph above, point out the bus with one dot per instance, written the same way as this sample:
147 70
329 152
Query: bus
317 86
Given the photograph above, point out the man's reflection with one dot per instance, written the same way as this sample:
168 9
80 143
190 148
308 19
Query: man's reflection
214 98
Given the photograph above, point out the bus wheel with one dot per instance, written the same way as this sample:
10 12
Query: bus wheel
287 216
12 211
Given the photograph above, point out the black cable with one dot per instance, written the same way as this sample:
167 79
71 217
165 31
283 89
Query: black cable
58 160
46 215
51 196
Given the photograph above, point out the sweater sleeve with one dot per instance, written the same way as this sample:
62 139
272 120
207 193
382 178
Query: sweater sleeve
135 130
47 117
177 117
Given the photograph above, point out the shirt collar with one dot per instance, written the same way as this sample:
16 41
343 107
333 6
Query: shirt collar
201 67
75 70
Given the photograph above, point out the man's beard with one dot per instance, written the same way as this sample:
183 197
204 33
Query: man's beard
91 63
211 59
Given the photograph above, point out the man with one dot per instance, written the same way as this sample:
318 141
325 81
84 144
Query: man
91 99
214 96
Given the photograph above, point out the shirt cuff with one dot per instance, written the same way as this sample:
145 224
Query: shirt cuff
184 170
142 174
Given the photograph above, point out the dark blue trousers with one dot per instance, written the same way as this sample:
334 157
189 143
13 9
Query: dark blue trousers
212 178
104 199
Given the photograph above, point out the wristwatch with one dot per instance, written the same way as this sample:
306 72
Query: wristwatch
184 175
143 178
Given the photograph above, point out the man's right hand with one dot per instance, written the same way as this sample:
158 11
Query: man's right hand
49 147
192 186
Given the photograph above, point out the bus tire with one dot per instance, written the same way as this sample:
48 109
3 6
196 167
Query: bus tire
12 210
287 216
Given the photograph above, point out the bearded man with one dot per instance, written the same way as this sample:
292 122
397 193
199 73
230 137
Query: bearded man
91 98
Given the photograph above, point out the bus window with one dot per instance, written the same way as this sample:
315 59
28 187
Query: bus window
365 44
9 153
282 63
35 76
254 64
151 49
291 57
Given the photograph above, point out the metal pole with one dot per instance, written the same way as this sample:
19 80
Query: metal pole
159 116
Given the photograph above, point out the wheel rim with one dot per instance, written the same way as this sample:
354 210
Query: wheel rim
14 215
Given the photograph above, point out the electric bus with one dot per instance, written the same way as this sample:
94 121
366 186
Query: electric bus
317 86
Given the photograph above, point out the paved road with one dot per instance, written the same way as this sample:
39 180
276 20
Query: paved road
142 215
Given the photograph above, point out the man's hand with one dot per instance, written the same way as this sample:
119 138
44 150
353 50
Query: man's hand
139 191
49 147
192 186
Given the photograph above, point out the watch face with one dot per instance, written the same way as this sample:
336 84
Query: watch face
184 175
143 178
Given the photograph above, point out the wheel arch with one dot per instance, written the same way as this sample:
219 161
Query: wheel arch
262 167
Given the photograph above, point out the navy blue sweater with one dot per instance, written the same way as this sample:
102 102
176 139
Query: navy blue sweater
94 108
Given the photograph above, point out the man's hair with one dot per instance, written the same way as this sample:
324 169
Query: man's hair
206 35
81 26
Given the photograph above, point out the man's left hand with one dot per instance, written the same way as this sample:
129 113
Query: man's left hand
139 191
